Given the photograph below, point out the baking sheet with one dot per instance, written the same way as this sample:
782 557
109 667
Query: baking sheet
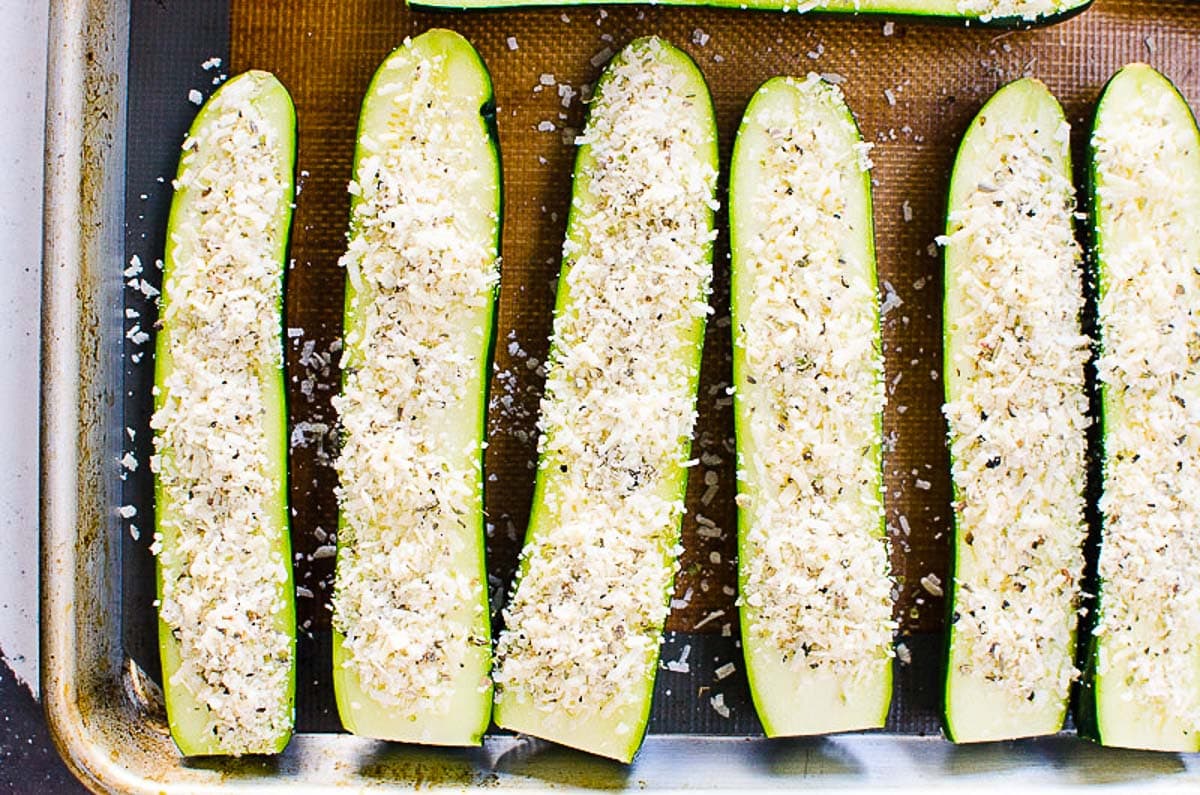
913 85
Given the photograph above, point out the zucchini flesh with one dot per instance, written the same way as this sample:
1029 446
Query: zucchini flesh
1001 13
224 576
816 604
1144 662
1014 358
578 656
412 642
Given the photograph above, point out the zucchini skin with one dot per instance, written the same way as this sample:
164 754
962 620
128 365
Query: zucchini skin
1087 711
177 700
581 162
1087 723
454 45
759 695
915 9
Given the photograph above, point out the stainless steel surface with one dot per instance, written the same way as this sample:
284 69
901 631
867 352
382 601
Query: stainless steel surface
104 713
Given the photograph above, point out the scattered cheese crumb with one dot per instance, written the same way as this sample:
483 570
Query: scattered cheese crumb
136 335
1027 10
891 299
713 616
681 666
601 57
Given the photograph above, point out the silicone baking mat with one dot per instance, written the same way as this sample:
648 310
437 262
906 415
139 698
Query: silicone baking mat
913 85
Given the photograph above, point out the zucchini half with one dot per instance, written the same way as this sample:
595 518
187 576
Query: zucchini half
1144 662
1016 405
999 13
227 625
816 603
411 641
578 656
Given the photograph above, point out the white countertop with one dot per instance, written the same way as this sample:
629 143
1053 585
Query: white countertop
22 119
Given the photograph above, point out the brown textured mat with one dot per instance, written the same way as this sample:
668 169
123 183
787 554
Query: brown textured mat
913 86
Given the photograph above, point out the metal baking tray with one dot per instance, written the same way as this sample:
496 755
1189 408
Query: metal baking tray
120 74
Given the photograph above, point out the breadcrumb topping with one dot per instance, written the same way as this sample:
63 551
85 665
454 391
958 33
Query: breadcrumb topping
223 574
816 568
1017 416
1149 567
582 630
410 499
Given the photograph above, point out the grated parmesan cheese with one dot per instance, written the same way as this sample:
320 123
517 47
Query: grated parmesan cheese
223 577
816 571
1028 10
582 629
408 605
1149 618
1017 416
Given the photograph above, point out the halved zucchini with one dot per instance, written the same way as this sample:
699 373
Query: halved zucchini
1000 13
816 605
412 643
226 605
578 655
1144 661
1016 406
